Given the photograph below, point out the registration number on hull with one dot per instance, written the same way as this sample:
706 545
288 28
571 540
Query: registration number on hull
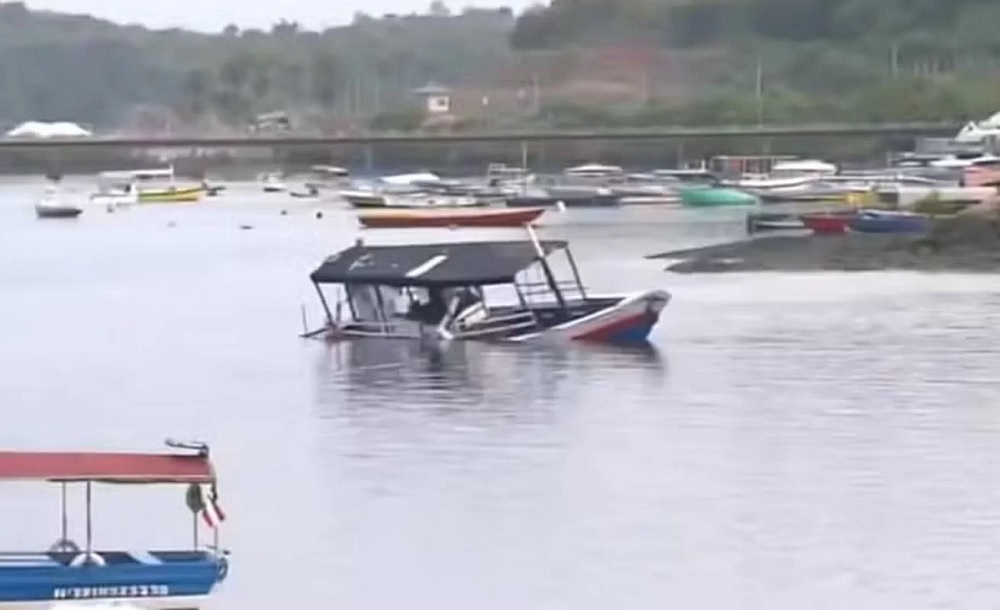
106 592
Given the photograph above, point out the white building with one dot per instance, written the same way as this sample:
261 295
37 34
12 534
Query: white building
36 129
437 99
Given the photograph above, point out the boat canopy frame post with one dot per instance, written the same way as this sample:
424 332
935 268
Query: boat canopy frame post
64 525
576 273
90 521
550 277
380 302
326 306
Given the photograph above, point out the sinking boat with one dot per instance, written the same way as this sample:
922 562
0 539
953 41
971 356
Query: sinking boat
180 578
495 291
398 219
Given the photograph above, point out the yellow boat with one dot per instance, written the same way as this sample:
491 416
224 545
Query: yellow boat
188 194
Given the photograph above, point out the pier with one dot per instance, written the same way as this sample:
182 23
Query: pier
944 129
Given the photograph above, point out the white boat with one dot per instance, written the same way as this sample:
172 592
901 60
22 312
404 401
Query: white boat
128 187
979 132
52 205
272 183
406 199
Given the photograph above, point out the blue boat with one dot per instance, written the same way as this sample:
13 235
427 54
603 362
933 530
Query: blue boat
876 221
171 579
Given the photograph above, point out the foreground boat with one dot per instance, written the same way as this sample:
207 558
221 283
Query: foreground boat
386 219
52 206
451 291
175 579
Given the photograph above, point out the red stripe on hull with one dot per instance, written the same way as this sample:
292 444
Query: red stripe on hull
434 218
605 333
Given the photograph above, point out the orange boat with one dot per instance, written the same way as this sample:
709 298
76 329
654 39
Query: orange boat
454 217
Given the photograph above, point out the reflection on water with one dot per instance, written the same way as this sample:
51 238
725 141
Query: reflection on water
827 440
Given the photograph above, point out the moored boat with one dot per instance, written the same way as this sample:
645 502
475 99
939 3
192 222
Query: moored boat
773 221
405 218
51 205
827 223
272 183
449 291
879 221
170 579
709 196
128 187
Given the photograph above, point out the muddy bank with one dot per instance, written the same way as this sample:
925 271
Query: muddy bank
957 244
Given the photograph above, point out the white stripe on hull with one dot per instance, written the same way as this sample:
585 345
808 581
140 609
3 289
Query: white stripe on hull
190 602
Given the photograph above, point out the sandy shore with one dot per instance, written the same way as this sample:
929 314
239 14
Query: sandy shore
957 244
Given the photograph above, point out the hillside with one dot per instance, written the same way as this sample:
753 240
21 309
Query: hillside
830 48
78 68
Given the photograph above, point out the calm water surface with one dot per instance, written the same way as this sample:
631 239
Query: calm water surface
791 441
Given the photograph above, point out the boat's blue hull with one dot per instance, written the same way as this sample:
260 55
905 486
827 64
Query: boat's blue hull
159 576
590 201
863 223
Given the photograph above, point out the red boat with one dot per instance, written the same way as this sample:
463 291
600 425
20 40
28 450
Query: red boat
827 224
454 217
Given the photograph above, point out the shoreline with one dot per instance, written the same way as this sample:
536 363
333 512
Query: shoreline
966 244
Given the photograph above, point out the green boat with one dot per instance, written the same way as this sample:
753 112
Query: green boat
711 196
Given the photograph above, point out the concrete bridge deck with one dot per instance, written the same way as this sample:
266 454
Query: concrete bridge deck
681 133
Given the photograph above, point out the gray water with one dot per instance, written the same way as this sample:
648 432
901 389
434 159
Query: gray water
790 441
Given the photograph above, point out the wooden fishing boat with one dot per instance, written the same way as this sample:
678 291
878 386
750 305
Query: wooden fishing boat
773 221
494 291
456 217
175 579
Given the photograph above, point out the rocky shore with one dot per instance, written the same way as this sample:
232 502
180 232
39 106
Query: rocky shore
964 243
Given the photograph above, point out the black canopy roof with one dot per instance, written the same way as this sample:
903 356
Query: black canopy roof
455 264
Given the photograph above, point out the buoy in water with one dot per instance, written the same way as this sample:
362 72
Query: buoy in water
560 206
319 213
284 212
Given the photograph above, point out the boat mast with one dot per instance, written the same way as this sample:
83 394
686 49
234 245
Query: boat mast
546 269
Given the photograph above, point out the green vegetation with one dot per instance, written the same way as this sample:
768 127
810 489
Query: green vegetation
78 68
776 61
817 59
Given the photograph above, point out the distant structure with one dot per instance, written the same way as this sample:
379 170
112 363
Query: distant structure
36 129
437 99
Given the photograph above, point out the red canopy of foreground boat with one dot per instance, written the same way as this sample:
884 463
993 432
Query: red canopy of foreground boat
106 467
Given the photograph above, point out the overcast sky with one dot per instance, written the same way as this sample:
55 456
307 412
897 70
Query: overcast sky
213 15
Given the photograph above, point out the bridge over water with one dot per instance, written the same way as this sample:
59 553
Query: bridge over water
524 137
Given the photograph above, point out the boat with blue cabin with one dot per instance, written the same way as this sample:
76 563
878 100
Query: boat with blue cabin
491 290
170 579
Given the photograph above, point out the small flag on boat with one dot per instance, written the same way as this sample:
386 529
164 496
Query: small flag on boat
211 512
204 501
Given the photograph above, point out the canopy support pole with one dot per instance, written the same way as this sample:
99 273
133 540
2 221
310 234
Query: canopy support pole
576 273
546 269
65 516
326 306
194 530
90 520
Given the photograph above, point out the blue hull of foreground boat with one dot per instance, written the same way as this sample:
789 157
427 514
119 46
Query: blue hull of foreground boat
147 579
